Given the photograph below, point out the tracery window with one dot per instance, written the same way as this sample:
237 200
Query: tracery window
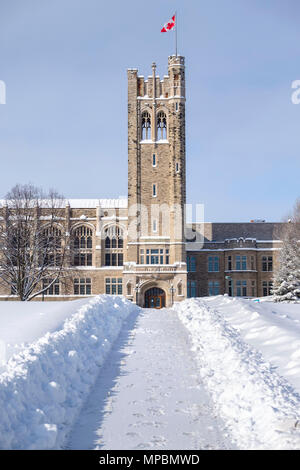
83 244
114 244
161 126
52 244
146 126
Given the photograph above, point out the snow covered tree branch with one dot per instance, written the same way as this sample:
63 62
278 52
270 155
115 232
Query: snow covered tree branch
34 245
287 276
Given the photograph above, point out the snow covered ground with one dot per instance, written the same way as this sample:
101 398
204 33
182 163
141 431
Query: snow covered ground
149 394
45 382
101 373
248 356
22 323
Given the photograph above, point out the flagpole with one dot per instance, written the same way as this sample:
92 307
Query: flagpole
176 31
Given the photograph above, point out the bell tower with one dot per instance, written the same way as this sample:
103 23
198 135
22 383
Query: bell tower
156 180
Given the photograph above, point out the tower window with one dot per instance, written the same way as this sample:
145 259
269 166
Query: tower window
146 126
154 160
154 190
177 167
161 126
154 225
176 106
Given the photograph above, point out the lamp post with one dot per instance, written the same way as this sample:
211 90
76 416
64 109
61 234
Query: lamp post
137 291
172 290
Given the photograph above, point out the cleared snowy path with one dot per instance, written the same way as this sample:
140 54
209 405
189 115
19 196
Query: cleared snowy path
149 394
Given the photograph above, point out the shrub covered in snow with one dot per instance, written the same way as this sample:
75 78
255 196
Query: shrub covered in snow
287 276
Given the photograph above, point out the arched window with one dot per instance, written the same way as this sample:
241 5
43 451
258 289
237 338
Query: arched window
83 244
114 244
52 246
161 126
146 126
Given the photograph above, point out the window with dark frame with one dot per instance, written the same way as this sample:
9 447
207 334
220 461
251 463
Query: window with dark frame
83 245
82 286
53 289
114 244
146 126
114 286
267 263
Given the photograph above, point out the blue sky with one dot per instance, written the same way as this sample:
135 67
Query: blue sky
65 122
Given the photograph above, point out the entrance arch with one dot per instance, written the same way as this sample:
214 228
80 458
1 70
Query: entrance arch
155 298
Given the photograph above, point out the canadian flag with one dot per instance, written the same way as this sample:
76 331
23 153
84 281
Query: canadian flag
169 25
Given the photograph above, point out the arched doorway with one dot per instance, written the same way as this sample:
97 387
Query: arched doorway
155 298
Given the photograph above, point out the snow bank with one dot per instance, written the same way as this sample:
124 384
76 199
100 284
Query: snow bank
272 328
257 405
22 323
44 386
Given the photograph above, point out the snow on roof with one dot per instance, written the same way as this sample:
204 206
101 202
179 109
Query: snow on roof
120 203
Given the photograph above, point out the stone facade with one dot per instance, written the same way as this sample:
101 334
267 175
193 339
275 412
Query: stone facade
138 246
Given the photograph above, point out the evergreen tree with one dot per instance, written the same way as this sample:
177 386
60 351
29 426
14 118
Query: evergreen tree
287 276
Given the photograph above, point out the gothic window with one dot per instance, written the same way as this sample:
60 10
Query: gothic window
146 126
83 244
52 246
161 126
114 244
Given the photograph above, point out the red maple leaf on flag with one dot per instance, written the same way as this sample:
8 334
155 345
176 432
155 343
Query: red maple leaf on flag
169 25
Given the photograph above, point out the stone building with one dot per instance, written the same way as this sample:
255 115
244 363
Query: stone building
138 246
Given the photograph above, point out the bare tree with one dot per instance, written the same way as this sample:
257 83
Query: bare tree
34 244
